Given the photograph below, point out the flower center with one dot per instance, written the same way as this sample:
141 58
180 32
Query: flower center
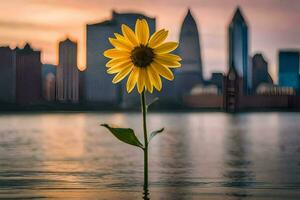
142 56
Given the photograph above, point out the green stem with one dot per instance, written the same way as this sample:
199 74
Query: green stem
144 111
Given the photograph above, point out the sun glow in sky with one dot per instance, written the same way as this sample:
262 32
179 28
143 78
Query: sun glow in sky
273 24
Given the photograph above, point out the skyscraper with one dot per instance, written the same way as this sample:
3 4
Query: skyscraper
289 69
238 48
7 75
260 72
190 74
28 75
97 83
98 86
67 80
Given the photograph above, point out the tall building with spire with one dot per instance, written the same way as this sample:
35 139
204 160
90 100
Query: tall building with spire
190 74
233 89
238 48
67 75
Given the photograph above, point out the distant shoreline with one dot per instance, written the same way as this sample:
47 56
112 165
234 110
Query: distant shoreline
115 109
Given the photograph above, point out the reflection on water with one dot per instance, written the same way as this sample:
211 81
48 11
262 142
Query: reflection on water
238 173
146 193
200 156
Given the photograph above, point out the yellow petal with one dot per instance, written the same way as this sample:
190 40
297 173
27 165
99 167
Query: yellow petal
132 79
118 68
117 61
166 47
148 84
138 29
141 81
129 34
142 31
121 75
121 44
157 38
169 60
154 78
116 53
119 36
169 56
163 71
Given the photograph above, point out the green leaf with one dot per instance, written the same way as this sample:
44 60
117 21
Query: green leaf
125 135
154 133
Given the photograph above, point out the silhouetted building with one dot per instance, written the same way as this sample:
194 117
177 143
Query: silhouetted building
190 74
217 80
98 85
233 90
28 75
67 78
289 69
238 47
260 72
49 82
7 75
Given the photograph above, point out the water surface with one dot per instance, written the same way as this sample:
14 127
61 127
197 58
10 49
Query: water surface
199 156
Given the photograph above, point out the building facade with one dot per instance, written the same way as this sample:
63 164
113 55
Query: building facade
260 73
190 74
7 75
289 69
238 48
233 90
67 76
28 76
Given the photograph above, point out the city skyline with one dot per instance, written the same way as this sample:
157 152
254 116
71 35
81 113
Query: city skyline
224 90
271 26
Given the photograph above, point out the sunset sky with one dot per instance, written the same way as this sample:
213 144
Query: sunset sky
273 24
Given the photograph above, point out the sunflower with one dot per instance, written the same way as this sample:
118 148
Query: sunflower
145 59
